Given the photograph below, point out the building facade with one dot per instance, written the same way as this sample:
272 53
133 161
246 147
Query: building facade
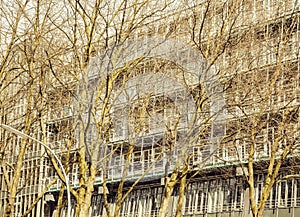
200 110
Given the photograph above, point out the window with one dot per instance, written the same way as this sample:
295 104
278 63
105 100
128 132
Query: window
238 197
298 193
136 156
197 155
273 197
290 192
282 194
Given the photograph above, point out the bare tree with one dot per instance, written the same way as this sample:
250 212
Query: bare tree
99 29
26 78
98 63
263 102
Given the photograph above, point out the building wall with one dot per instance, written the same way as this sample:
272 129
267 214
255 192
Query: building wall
221 197
208 196
213 197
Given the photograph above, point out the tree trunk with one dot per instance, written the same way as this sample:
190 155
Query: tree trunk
86 197
169 187
181 196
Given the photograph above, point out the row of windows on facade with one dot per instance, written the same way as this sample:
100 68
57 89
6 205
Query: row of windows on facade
151 149
204 197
